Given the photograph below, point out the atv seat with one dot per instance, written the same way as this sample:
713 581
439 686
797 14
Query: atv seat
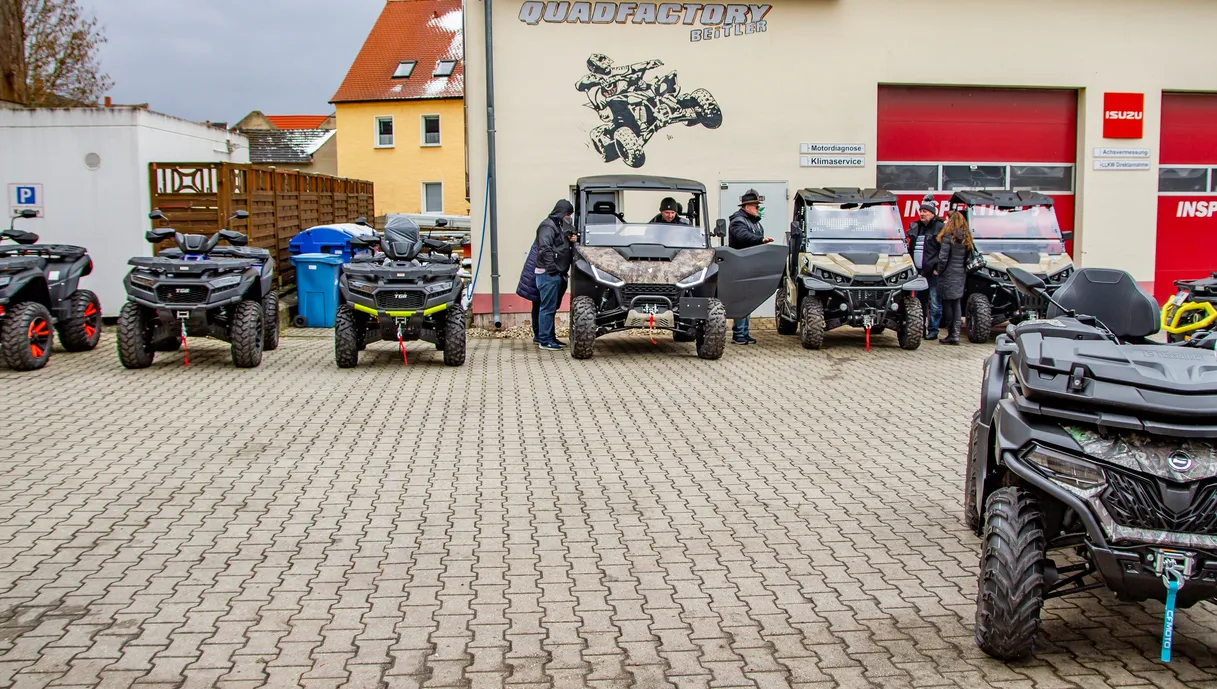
1111 296
402 240
605 208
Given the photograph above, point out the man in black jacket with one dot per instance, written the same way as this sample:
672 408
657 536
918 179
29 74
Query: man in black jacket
555 242
745 231
925 231
669 213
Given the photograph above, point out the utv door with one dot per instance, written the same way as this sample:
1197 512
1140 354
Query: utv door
747 277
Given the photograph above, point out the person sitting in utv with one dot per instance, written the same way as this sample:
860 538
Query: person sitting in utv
669 213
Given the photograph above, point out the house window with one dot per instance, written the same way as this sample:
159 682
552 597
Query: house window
384 132
444 68
404 69
907 177
430 130
433 197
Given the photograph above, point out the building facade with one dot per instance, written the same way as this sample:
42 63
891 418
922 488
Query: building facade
1089 102
305 143
400 110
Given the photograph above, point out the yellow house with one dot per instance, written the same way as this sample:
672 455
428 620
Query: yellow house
400 110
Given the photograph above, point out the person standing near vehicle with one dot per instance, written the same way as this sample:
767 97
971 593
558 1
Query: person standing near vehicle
527 288
956 243
555 242
745 231
926 229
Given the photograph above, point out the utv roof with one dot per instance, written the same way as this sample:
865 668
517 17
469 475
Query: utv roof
640 182
843 195
1000 199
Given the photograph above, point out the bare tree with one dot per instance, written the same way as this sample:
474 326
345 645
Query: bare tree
12 52
61 54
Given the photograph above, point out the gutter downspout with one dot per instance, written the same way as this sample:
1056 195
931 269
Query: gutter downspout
492 183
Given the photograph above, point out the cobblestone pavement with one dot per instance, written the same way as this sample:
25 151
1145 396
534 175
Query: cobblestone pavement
644 519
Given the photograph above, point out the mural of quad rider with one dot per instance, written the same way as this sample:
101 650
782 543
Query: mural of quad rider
635 108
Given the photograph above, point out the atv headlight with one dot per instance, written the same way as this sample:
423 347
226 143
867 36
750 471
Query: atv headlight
1066 469
605 278
693 280
360 286
996 274
1061 276
227 281
439 287
829 276
901 277
140 279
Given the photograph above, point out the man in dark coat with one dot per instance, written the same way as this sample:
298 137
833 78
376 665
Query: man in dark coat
669 213
555 249
745 231
925 231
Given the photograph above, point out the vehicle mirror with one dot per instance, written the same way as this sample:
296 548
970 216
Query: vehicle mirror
22 237
240 215
1025 282
157 215
159 234
720 228
29 213
1067 235
361 221
441 222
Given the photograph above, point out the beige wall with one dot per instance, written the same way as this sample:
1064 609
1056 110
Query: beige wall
813 76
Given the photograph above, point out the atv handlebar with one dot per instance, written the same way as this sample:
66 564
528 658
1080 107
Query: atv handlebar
160 234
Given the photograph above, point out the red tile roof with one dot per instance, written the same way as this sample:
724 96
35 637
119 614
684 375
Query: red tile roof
297 121
423 30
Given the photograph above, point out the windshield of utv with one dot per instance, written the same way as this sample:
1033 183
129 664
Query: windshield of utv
1030 229
834 230
630 217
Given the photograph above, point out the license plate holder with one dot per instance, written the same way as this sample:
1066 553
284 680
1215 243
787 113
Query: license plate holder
694 308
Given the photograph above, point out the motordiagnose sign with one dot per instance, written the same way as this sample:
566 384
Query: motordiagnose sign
714 20
1123 115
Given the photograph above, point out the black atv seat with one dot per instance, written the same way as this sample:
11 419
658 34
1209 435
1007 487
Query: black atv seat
402 240
1111 296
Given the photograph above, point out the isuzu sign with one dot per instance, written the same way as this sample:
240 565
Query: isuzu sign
715 20
1123 115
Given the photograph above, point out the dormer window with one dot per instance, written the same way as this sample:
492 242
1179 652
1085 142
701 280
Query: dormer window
444 68
404 69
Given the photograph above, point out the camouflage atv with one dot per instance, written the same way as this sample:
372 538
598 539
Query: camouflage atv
848 265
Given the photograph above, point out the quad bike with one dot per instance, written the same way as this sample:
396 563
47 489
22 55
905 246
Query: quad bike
848 265
199 289
1191 309
632 117
401 294
1094 440
39 291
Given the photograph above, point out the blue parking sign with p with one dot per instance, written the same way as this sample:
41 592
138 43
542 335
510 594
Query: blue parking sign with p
27 196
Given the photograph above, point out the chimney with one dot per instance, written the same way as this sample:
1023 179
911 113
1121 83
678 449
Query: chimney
107 101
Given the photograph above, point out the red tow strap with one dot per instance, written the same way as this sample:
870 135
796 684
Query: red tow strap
402 344
868 339
185 347
652 333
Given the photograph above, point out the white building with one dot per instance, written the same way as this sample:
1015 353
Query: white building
86 171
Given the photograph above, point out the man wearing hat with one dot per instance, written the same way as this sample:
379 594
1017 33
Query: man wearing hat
745 231
669 213
925 230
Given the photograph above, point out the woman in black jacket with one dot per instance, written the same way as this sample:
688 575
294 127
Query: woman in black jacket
956 239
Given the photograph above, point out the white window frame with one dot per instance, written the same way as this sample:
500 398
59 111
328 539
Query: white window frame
1210 172
423 196
1009 172
376 131
422 131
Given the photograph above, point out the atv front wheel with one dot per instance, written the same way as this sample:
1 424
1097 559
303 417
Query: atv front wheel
81 331
712 336
630 147
346 337
247 334
26 336
135 336
602 141
1011 586
582 327
980 318
813 324
454 336
780 306
709 114
913 326
270 322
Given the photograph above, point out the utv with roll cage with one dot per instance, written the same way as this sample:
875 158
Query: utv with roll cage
1096 444
199 289
1011 229
848 264
411 289
40 292
654 276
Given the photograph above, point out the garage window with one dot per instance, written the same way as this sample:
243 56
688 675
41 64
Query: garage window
1041 178
1183 179
907 177
973 177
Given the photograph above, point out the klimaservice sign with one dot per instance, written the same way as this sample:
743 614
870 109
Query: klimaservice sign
703 22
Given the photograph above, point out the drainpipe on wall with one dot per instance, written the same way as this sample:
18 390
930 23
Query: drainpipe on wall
491 177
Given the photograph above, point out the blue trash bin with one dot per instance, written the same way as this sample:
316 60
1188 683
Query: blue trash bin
317 288
328 239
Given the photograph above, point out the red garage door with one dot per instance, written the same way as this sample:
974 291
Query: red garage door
1187 191
938 140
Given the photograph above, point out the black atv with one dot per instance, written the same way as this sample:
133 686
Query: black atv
401 294
649 275
1011 229
199 289
1095 444
39 290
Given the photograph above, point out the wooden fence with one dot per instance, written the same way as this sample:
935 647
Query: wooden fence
200 197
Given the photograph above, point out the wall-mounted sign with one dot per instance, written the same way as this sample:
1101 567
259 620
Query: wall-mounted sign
1121 164
1108 152
720 21
1123 115
25 196
834 149
831 161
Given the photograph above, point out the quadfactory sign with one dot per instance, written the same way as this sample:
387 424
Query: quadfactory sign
715 20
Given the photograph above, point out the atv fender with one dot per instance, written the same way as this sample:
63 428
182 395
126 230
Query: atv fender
816 285
747 277
916 284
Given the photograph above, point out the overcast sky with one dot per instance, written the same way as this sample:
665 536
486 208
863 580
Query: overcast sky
219 59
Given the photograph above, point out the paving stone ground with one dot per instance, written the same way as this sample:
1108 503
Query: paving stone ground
644 519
